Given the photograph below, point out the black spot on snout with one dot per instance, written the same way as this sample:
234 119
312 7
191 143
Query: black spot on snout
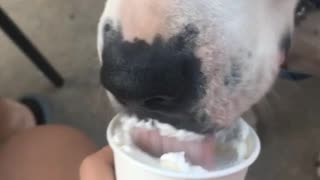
106 28
162 76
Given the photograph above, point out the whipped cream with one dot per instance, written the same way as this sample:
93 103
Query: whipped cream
169 161
130 122
227 152
177 162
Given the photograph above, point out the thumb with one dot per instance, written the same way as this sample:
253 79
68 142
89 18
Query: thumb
98 166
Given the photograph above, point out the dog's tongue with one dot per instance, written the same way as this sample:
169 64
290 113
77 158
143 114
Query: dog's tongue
198 152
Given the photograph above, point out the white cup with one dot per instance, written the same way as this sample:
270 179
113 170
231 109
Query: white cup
129 168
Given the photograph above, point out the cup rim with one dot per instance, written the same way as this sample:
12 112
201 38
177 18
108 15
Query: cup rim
214 174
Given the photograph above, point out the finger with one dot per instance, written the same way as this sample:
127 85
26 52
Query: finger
98 166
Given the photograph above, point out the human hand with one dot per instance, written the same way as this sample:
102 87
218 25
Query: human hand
98 166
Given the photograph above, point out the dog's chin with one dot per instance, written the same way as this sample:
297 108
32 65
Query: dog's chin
196 121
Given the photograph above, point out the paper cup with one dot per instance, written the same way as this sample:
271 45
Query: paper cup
129 168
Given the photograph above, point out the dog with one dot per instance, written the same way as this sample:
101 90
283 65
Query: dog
197 65
205 62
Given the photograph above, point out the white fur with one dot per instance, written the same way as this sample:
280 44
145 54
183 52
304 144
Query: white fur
111 11
229 31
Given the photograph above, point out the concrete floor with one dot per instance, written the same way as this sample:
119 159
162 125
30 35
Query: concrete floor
65 31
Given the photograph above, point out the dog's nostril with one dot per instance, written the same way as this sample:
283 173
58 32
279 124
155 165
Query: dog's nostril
158 102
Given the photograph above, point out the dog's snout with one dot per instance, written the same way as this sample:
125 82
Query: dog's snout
163 75
159 102
192 64
158 87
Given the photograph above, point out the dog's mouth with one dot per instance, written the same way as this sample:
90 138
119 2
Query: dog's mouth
196 121
198 151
